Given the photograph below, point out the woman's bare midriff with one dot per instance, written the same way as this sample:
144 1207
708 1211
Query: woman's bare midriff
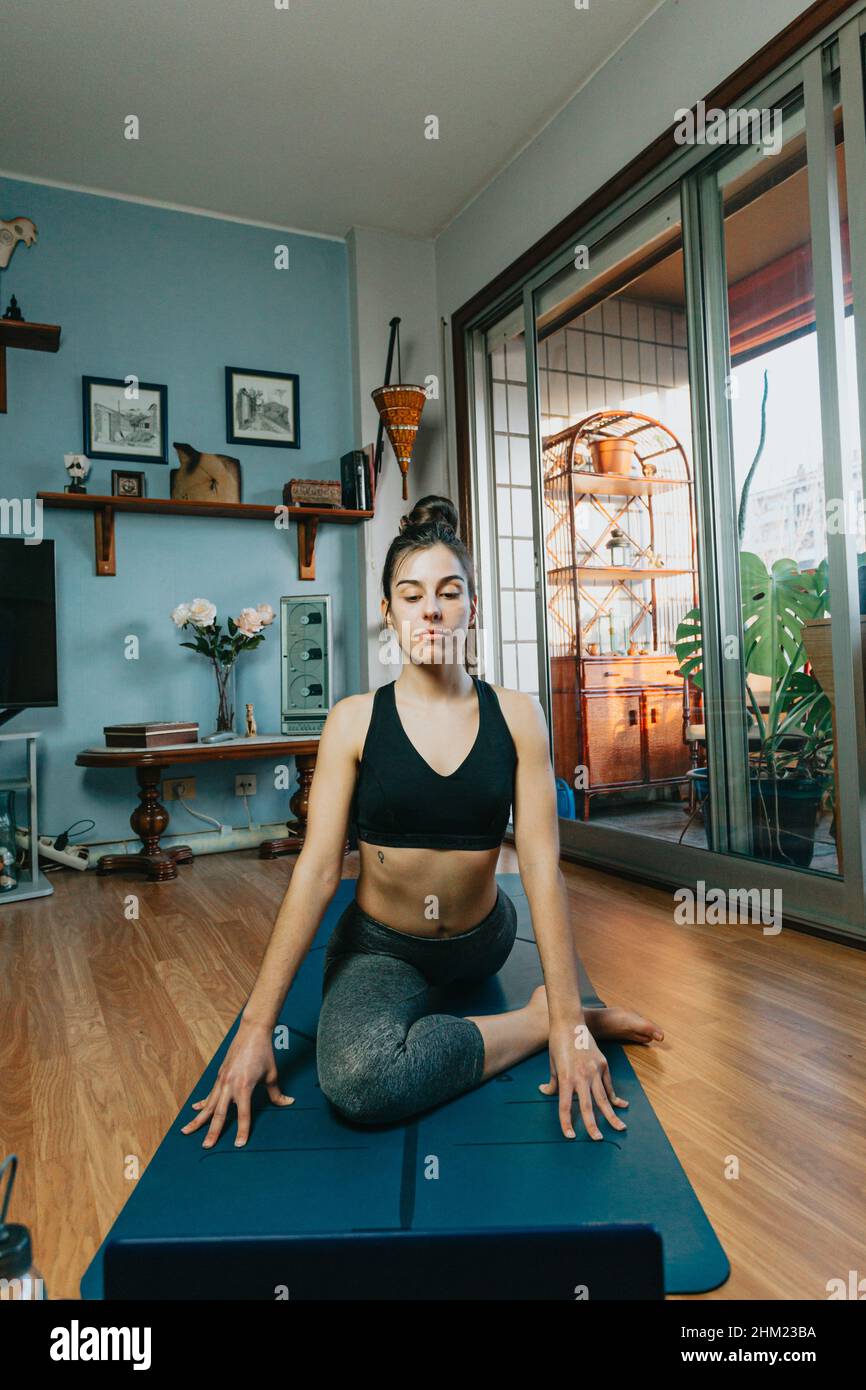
427 892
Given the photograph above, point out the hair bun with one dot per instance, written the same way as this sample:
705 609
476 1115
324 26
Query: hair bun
433 511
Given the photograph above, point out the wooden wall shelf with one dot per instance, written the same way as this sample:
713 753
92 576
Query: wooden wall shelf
104 508
37 337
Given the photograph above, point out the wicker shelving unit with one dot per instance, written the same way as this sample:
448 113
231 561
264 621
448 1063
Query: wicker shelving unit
619 704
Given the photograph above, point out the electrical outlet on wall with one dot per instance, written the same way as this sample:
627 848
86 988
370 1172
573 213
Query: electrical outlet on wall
245 785
175 787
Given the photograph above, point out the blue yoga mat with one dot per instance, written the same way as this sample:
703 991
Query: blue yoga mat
499 1150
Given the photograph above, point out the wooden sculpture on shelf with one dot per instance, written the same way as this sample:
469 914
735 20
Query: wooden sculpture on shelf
252 728
205 477
399 408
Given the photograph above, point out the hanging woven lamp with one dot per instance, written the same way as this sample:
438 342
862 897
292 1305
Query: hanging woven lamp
399 408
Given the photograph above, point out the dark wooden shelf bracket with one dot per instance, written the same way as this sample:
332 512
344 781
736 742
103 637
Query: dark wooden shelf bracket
307 530
15 333
103 535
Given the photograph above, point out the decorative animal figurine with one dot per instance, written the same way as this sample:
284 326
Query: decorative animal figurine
205 477
19 229
251 723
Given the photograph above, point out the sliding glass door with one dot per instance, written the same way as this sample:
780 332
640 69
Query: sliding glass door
776 458
672 506
782 491
619 528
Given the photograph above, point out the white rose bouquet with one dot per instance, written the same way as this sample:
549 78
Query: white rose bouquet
223 648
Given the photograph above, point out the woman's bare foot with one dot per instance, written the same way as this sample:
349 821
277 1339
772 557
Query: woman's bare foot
622 1025
615 1024
511 1036
537 1007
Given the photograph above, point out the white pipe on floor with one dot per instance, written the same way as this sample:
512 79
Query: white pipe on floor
199 841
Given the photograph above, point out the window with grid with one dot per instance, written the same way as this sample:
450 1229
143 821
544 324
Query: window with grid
513 519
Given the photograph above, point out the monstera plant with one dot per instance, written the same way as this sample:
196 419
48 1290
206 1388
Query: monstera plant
790 774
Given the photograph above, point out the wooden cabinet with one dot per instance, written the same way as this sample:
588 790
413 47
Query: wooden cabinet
611 673
613 751
630 729
667 756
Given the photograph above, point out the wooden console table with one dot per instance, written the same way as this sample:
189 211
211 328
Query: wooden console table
150 819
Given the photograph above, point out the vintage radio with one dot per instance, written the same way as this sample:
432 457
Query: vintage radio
305 634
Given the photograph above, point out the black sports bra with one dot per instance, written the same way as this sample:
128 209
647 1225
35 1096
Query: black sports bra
400 800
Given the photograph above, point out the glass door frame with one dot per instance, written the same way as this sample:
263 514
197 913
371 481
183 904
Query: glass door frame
837 904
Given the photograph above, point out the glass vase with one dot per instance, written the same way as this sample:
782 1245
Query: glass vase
8 847
226 679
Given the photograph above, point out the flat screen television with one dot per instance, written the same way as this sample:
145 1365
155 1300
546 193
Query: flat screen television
28 626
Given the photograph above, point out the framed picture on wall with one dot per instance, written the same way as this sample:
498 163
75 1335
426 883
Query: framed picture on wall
125 419
262 408
124 484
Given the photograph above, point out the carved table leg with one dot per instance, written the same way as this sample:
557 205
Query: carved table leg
299 802
149 821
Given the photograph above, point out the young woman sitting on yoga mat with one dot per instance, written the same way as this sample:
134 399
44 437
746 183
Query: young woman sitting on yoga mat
427 766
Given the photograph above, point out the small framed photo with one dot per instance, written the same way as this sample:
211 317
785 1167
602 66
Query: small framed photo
262 408
125 484
125 419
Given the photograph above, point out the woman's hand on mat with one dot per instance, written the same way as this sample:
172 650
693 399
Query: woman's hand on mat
577 1067
250 1059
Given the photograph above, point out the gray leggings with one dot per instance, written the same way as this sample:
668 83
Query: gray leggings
380 1056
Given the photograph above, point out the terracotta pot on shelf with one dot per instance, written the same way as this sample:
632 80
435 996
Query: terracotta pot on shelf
613 455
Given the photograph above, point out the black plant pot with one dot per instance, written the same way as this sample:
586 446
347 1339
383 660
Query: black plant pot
784 814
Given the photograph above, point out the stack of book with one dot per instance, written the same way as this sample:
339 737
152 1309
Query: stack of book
356 475
149 735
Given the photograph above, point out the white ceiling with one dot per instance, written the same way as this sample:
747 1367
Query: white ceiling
310 117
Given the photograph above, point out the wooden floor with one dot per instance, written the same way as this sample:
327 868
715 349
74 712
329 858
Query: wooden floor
106 1023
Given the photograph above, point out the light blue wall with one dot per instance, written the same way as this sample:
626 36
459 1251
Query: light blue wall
174 298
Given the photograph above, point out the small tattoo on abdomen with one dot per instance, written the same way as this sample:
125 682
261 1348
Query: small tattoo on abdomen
381 857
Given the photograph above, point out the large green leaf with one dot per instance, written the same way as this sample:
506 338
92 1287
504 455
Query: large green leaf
776 603
688 647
